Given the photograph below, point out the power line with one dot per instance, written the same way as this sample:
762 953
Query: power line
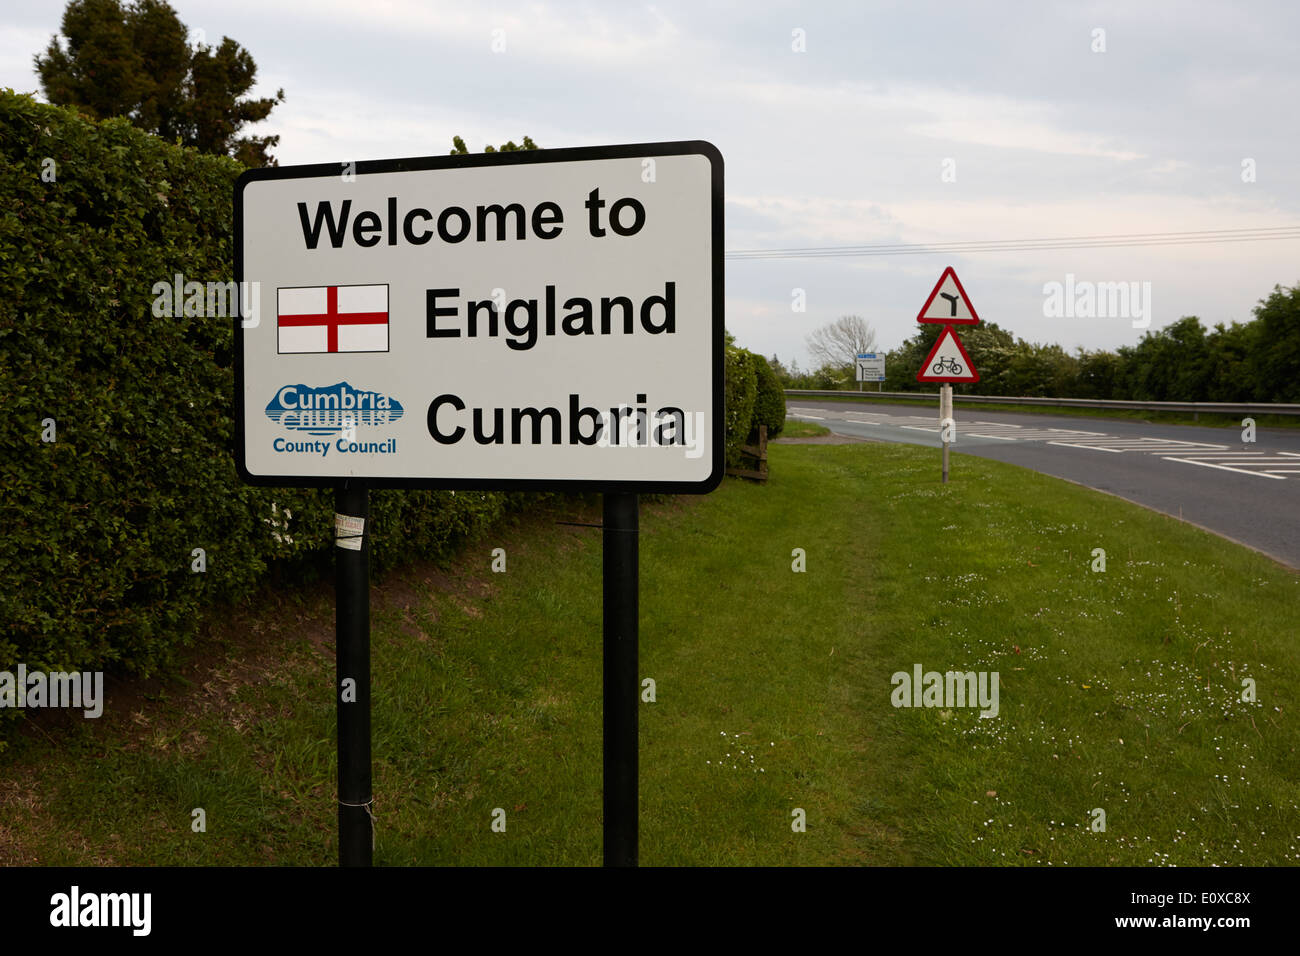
1022 245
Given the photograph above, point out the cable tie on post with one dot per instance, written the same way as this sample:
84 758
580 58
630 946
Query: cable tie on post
369 813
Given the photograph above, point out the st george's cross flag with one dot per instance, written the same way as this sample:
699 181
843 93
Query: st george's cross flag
334 318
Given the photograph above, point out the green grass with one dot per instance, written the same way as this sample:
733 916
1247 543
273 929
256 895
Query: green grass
1205 419
1119 690
794 428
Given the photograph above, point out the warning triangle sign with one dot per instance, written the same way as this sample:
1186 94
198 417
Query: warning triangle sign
948 302
948 361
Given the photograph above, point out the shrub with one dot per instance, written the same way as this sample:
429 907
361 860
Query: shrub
769 406
741 393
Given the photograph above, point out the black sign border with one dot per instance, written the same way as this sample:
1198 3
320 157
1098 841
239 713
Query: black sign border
465 161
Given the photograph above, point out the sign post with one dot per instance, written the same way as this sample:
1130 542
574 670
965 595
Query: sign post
541 319
622 689
947 362
352 671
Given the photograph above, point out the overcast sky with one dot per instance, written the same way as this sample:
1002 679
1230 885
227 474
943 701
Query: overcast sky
843 143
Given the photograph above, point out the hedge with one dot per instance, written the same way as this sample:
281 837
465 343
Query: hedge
769 405
741 392
100 527
754 397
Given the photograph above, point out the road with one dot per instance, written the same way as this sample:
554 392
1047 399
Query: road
1249 493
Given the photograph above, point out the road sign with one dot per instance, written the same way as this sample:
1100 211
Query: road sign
549 318
871 367
948 361
948 302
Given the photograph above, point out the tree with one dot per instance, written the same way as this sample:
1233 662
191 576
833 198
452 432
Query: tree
1231 374
219 78
782 373
1037 370
1101 375
136 61
1277 348
838 343
458 147
1169 365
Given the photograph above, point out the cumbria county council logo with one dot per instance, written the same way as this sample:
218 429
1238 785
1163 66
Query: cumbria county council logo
329 409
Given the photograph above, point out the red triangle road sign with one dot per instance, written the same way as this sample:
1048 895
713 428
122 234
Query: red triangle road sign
948 302
948 361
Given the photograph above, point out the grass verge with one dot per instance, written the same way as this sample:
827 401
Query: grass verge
1120 690
794 428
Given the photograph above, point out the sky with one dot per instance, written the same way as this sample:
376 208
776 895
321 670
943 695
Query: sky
841 124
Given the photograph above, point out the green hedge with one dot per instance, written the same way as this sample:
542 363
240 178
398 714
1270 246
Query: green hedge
769 406
741 393
100 524
754 397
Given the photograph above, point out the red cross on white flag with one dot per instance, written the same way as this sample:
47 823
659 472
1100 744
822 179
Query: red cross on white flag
335 318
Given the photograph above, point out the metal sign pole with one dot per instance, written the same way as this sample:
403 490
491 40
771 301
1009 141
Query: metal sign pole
945 413
621 687
352 671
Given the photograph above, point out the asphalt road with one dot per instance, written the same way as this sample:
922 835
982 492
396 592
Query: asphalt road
1249 493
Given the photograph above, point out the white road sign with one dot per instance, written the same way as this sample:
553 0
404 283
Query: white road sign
525 319
948 302
871 367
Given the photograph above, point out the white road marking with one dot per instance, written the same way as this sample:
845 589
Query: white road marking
1051 434
1205 454
1067 444
1240 471
1150 445
1246 460
1243 456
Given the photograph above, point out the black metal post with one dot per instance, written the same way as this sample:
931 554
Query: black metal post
621 685
352 672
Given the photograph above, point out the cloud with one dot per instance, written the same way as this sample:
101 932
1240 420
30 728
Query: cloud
542 32
979 119
17 47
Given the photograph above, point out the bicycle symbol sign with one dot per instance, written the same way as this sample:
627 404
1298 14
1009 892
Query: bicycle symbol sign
948 361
